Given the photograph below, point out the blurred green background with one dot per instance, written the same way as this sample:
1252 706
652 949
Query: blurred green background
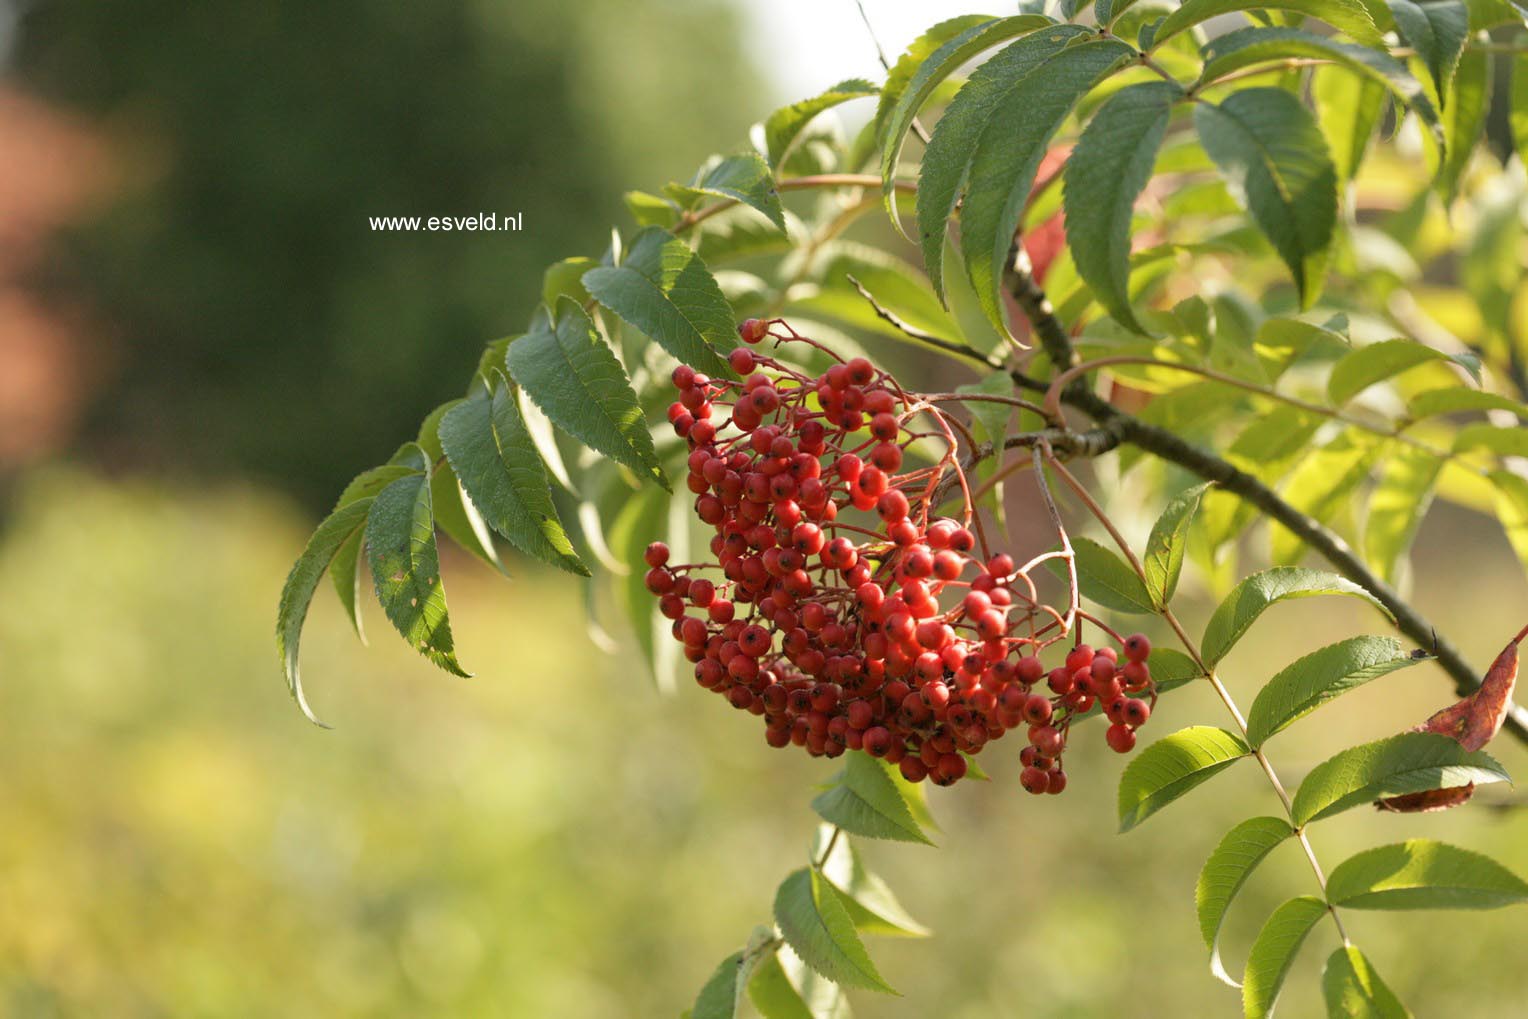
551 838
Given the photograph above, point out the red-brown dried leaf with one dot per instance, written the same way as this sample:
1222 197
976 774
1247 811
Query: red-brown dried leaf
1472 723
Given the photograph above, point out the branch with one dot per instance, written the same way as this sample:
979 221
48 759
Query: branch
1327 543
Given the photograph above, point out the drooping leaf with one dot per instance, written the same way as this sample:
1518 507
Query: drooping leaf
1164 548
405 567
1362 368
744 178
1224 873
1274 159
1349 107
1354 991
785 125
1436 29
946 167
871 904
641 516
345 568
773 994
1350 16
1474 720
1252 596
1423 874
665 291
863 800
1171 767
1105 578
813 921
1409 763
1274 951
571 374
1464 119
1397 506
1104 176
1246 47
492 453
458 519
1009 151
1318 677
720 996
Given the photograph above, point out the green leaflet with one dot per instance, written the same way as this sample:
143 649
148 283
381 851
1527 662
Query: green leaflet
1354 991
1361 368
1349 16
784 987
1171 669
565 278
1320 486
1349 107
946 167
785 125
1436 29
815 923
1009 151
1512 510
744 178
345 568
1248 46
1163 560
1412 762
1274 159
640 516
1464 119
1171 767
1423 874
1274 951
1453 399
1104 176
650 210
405 567
1318 677
1519 105
932 58
718 999
1501 441
871 904
574 378
864 800
1105 578
1233 861
1397 506
665 291
492 453
1252 596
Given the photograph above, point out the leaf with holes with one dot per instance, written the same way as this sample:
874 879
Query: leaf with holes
1274 951
1274 159
1224 873
570 373
1411 762
1423 874
1320 676
1171 767
813 921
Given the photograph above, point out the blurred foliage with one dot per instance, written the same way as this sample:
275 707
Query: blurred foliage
552 838
254 307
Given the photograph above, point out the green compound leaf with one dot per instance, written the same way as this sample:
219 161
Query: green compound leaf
1412 762
665 291
1171 767
1256 593
785 125
1008 154
744 178
1397 505
814 922
1104 176
405 568
1273 156
1354 991
574 378
946 168
1163 561
1319 677
864 800
1274 951
1436 29
1377 362
1224 873
1348 15
1423 874
494 456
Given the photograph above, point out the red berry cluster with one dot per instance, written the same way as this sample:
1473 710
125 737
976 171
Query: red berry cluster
838 608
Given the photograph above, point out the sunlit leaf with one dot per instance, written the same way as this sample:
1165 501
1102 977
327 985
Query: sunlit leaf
1233 861
1423 874
1171 767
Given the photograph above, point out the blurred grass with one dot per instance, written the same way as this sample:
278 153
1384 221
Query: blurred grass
554 839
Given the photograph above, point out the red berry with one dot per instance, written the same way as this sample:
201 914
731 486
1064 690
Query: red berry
1137 647
1120 738
753 330
657 554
